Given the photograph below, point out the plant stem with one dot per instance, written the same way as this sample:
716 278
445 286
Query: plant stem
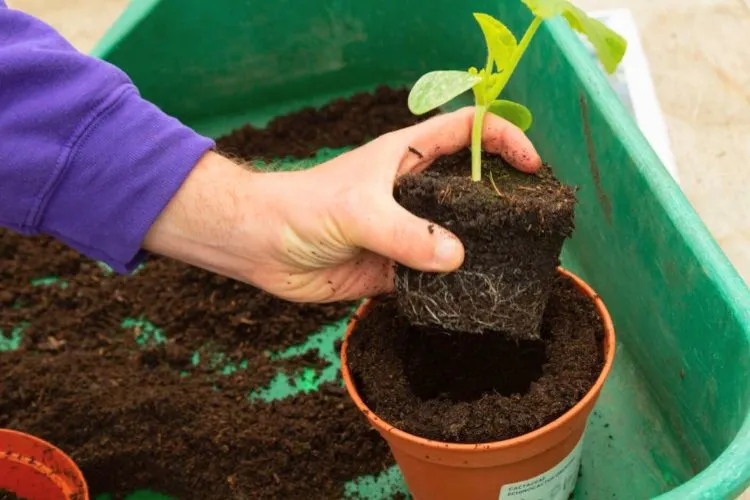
476 143
517 54
488 66
525 41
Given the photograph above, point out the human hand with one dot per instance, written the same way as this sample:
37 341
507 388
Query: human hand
330 232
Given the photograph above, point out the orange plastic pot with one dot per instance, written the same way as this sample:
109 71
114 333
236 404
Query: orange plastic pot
36 470
541 464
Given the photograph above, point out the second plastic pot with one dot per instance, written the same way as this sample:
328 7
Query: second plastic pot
36 470
541 464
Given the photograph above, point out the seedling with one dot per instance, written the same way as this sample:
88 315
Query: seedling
503 54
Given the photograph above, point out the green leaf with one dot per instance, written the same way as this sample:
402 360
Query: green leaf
546 8
610 47
500 40
438 87
518 114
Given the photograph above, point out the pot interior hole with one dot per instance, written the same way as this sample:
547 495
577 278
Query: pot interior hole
465 367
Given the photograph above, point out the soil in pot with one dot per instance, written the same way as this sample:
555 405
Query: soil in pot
512 225
92 375
9 495
458 388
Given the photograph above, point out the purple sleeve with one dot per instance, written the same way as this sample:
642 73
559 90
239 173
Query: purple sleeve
83 158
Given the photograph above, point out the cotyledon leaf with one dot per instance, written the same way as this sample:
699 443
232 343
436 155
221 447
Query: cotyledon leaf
518 114
438 87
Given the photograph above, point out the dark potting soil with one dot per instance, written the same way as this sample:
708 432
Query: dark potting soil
476 388
342 122
131 427
130 420
512 225
105 369
9 495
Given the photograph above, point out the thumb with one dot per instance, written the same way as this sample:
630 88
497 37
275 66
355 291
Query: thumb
397 234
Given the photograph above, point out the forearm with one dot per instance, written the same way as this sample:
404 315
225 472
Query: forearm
82 156
205 215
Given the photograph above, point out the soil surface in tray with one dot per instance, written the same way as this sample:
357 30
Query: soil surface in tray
103 366
476 388
512 226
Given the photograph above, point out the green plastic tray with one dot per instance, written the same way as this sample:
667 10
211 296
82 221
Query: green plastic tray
673 421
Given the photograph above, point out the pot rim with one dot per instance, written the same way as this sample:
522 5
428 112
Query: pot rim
609 347
72 466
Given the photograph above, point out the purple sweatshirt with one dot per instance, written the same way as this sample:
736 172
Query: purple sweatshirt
83 158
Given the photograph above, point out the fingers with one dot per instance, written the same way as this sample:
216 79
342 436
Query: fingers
502 137
367 276
449 133
395 233
441 135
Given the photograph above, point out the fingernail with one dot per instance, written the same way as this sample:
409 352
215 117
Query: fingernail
448 253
